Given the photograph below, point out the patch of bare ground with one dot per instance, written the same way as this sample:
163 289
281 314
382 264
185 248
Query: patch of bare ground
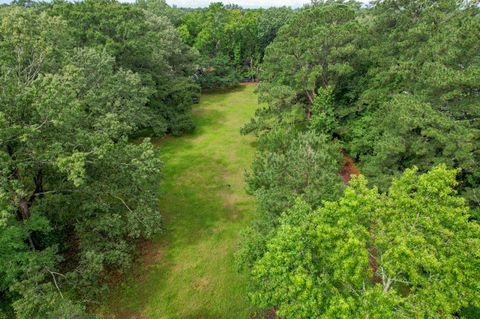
218 229
229 200
199 111
126 315
202 284
266 314
348 169
157 141
229 197
199 138
150 252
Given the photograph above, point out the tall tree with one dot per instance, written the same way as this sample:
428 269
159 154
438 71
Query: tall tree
71 184
161 8
146 43
421 103
313 50
290 164
231 41
411 252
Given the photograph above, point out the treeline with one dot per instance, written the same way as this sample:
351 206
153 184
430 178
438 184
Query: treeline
77 81
395 86
231 41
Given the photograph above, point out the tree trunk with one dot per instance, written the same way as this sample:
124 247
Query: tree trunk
311 99
23 204
23 214
38 192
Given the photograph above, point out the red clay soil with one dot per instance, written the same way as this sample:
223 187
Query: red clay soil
346 173
348 169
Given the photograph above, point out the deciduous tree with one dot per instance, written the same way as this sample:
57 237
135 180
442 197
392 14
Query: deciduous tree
411 252
72 186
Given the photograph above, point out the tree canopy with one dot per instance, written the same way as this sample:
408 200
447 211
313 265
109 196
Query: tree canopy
75 193
393 87
231 41
402 83
143 42
410 252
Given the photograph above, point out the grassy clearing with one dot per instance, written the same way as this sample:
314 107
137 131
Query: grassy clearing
189 271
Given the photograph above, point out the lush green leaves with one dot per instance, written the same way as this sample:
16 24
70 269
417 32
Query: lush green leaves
397 85
407 253
75 194
289 165
144 42
420 105
403 77
292 164
231 41
314 50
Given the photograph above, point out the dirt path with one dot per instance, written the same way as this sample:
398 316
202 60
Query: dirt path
348 169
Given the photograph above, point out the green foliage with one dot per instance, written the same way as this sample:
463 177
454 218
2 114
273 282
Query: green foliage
216 73
315 49
289 164
224 39
293 164
402 80
421 100
411 132
145 42
411 252
75 195
269 23
231 41
323 116
395 84
398 86
161 8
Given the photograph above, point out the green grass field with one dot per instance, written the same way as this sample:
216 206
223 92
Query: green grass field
189 271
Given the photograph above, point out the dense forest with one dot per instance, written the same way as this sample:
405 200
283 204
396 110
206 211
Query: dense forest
393 86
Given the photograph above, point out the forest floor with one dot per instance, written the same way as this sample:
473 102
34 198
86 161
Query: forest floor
189 272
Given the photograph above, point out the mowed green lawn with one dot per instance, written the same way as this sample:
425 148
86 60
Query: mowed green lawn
189 271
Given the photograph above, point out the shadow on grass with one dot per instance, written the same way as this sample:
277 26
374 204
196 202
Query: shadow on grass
205 120
237 88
